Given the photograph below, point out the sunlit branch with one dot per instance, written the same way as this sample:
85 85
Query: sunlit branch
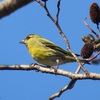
43 69
9 6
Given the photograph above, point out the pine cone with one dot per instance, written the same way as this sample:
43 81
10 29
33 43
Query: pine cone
87 50
95 13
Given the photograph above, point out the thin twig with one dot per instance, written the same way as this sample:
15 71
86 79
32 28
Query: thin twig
98 27
53 20
79 68
92 58
48 13
69 86
90 28
58 11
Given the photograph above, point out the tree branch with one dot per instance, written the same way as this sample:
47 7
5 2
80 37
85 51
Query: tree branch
43 69
9 6
54 21
90 28
58 11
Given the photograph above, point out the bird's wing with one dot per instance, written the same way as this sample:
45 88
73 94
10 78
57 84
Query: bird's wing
51 45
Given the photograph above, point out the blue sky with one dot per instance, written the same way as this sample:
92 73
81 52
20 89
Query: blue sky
32 85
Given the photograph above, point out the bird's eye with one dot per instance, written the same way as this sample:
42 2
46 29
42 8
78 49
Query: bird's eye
28 37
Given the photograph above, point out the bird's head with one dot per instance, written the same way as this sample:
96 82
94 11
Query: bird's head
29 38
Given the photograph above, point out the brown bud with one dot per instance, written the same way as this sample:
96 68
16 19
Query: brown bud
95 13
87 50
91 38
88 39
85 39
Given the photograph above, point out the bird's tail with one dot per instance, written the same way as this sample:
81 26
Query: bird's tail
84 61
72 59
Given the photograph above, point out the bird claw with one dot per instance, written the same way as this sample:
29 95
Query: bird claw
55 70
32 65
57 66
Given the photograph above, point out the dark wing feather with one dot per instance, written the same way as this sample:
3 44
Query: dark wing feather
51 45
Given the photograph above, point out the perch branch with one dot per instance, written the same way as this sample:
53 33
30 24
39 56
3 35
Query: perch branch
43 69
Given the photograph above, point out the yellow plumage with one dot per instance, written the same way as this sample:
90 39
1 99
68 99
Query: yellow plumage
46 52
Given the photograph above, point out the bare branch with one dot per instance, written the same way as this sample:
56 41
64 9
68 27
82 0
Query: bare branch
79 68
43 69
90 28
54 21
58 11
92 58
69 86
47 11
9 6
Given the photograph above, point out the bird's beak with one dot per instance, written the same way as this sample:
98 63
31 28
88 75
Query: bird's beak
22 42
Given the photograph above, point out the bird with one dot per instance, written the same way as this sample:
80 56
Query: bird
46 52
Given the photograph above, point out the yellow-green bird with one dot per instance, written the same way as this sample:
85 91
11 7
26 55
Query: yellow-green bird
46 52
